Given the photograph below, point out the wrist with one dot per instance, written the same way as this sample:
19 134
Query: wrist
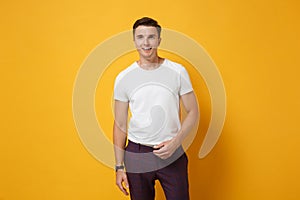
177 142
119 168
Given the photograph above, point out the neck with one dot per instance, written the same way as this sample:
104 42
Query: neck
151 63
150 60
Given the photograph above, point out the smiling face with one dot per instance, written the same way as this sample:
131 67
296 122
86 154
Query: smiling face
146 40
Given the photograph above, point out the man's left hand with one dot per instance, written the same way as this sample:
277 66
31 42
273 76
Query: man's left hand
166 149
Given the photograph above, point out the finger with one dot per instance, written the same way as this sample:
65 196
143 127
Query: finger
126 183
125 191
161 150
160 154
165 156
158 151
158 146
122 188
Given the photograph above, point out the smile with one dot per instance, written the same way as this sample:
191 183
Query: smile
149 48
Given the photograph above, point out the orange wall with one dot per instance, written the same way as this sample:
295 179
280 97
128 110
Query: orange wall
255 45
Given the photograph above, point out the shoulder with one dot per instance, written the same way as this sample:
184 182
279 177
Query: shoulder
175 66
126 71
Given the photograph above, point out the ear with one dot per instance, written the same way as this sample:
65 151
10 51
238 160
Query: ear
159 40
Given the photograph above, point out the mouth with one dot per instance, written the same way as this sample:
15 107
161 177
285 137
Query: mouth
147 48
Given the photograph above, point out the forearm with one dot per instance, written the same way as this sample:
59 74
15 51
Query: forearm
187 124
119 139
190 104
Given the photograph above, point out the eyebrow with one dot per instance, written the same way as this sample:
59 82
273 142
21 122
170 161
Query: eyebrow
151 35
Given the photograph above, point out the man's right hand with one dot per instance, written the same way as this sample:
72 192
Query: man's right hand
121 181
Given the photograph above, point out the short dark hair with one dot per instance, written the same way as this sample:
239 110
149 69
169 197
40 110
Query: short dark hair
147 21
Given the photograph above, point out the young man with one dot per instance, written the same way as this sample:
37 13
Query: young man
152 88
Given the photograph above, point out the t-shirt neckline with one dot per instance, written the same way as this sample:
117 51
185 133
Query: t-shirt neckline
150 70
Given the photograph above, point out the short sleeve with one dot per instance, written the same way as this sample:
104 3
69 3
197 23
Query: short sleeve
120 90
185 82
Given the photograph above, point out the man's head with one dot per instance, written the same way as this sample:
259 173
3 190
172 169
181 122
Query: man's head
146 21
146 34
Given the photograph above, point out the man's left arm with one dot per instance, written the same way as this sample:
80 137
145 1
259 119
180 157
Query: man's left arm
167 148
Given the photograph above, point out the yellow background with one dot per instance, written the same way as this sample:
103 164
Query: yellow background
255 45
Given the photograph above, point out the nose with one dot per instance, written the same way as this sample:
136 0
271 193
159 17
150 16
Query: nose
146 41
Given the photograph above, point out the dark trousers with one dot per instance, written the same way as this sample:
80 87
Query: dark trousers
143 168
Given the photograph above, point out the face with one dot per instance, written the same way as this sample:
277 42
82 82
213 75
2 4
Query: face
146 41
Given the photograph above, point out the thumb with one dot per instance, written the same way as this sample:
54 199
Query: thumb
126 182
158 146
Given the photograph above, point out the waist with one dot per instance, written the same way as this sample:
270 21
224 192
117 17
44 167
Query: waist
133 146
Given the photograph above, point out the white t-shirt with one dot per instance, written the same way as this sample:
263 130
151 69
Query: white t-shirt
153 97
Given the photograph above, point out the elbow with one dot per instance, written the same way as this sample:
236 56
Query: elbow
119 126
195 114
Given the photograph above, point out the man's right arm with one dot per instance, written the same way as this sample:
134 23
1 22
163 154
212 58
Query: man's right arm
119 139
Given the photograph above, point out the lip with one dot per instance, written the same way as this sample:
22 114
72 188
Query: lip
147 49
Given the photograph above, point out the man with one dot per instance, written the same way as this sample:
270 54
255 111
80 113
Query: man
152 88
